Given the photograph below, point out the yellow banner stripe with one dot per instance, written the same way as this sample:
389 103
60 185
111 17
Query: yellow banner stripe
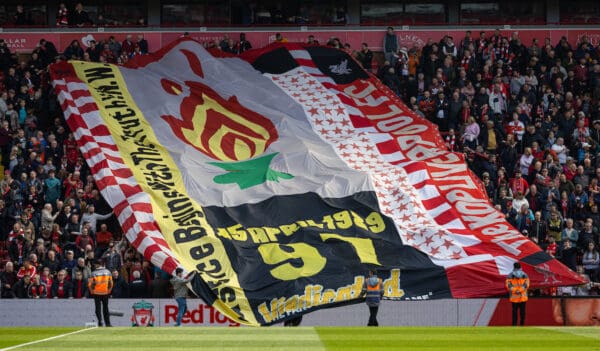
181 219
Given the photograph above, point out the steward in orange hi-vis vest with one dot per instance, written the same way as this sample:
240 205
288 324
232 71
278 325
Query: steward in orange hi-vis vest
373 287
517 283
100 284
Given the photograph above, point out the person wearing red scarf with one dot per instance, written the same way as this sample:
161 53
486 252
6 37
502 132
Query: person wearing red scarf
62 288
518 184
80 288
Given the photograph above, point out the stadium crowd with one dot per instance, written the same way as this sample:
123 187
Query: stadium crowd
53 221
526 118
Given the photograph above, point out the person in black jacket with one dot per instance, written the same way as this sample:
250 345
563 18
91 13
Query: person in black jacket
391 80
137 288
442 114
120 287
8 280
568 255
80 17
21 288
365 57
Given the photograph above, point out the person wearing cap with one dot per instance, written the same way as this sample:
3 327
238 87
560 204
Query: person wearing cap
373 288
180 292
517 283
100 286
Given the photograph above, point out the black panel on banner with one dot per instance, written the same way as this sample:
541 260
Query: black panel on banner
277 61
332 245
537 258
201 289
336 64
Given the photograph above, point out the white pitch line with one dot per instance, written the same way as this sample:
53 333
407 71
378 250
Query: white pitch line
47 339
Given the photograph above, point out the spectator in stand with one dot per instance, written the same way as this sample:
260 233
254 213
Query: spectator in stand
37 289
591 261
127 45
69 262
80 288
74 51
103 239
552 247
590 228
80 17
61 287
142 43
311 40
570 233
47 218
568 255
471 134
243 45
390 46
391 80
539 229
113 258
230 47
21 288
114 46
83 241
525 162
83 268
442 111
62 16
560 150
93 52
365 57
92 217
26 269
8 279
137 287
21 18
52 262
121 288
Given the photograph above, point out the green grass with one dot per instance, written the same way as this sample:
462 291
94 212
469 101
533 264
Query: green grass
307 338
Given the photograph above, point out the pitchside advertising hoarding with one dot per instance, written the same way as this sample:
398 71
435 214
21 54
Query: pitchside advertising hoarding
25 42
163 313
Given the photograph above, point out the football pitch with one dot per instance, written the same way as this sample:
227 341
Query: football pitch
302 338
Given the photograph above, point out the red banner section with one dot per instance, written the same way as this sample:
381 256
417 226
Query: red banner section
24 42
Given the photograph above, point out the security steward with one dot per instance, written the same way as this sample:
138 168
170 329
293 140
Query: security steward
100 285
373 287
517 283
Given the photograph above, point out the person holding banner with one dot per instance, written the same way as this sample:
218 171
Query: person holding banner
517 283
180 292
373 287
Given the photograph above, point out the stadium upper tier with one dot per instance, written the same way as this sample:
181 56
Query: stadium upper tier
179 13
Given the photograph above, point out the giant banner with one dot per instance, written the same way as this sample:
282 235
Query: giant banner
282 177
